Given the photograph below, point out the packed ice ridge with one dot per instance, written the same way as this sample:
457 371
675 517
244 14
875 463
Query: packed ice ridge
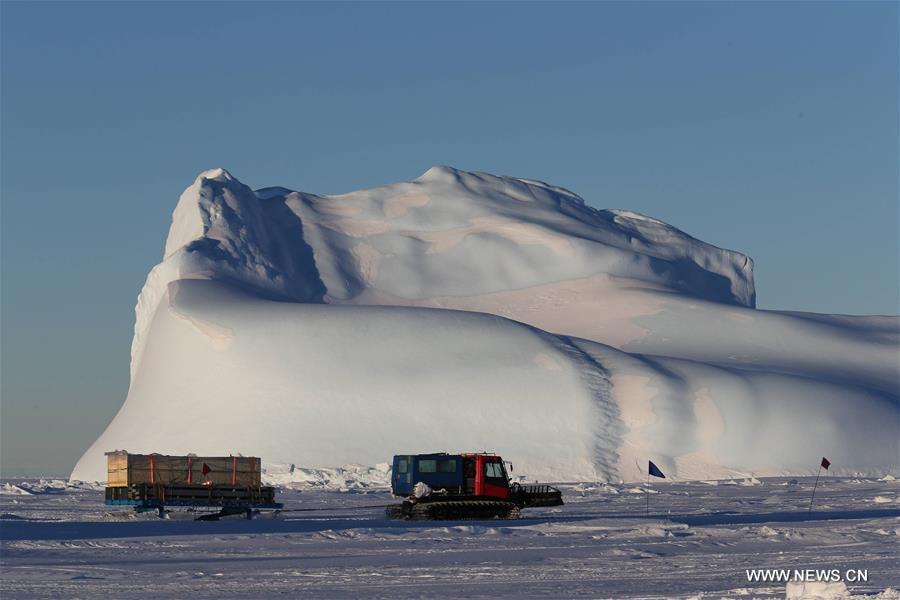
464 311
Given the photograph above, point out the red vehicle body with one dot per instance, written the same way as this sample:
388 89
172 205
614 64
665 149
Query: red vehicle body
486 486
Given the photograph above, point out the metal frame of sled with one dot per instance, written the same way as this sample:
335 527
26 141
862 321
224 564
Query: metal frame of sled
230 500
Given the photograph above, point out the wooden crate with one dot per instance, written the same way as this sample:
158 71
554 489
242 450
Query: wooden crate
124 469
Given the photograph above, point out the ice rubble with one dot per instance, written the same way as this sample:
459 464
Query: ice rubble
465 311
9 489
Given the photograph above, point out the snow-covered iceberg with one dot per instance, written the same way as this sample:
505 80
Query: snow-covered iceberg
464 311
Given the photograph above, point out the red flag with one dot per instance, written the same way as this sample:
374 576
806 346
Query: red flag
825 463
205 470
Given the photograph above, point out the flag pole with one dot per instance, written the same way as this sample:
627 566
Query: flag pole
814 490
647 489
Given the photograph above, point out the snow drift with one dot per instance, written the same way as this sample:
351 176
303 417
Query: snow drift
464 311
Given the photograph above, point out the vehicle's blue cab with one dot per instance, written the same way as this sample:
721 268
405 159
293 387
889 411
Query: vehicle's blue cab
438 470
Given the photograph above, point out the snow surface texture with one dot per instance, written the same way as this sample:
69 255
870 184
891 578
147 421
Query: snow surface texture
464 311
697 542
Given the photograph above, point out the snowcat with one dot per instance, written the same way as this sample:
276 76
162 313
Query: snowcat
461 486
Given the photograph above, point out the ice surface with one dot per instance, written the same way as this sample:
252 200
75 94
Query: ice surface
697 542
464 311
816 590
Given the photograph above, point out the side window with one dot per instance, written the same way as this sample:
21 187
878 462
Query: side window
493 470
427 466
402 465
446 466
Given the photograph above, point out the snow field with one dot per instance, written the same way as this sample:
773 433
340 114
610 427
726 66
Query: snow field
698 542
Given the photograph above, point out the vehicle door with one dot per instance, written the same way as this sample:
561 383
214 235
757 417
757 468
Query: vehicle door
401 478
494 481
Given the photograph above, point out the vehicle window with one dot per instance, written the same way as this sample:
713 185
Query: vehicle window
493 470
401 465
427 466
446 466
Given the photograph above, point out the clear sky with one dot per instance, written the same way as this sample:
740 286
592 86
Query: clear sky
768 128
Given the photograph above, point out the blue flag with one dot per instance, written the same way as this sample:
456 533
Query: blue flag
654 470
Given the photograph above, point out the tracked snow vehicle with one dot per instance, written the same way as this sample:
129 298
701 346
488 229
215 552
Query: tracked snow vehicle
461 486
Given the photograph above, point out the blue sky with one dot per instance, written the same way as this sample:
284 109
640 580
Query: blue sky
769 128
